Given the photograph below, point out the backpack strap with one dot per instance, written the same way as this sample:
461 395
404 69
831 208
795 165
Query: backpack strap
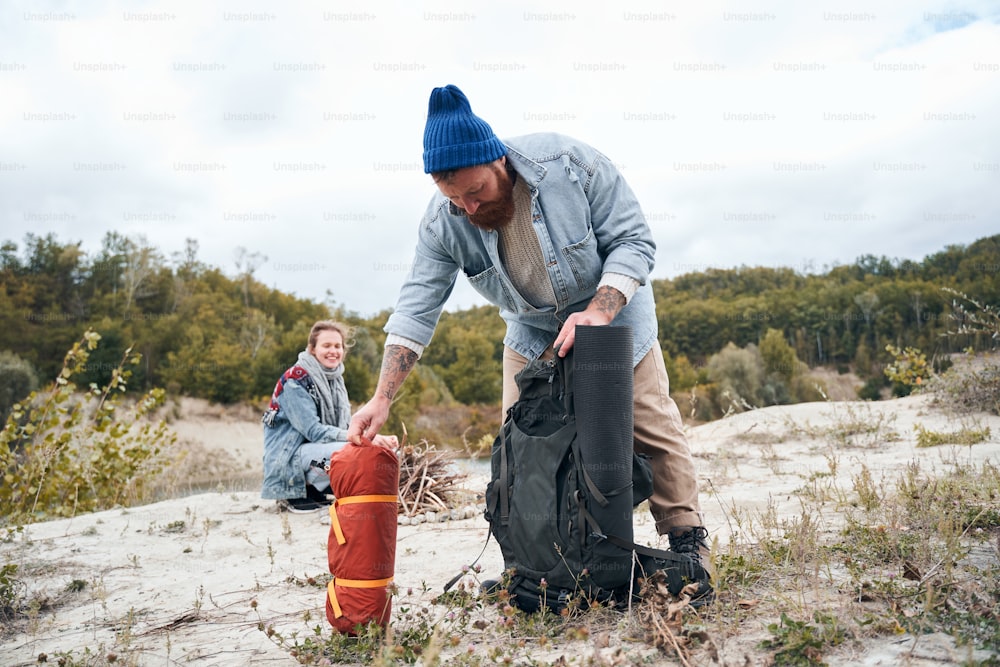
679 569
564 369
453 580
594 491
503 478
588 519
661 554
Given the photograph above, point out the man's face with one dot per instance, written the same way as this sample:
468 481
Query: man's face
484 192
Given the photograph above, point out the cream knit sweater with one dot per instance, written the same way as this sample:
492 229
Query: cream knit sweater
522 255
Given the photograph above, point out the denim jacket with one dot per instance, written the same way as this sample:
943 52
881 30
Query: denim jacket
297 421
588 223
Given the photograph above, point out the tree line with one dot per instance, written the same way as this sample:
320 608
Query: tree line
227 337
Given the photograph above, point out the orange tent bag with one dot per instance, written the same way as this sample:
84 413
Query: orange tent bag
362 543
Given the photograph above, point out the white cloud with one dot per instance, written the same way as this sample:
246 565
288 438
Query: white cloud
780 135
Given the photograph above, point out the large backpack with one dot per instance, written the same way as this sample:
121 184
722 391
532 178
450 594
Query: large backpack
564 541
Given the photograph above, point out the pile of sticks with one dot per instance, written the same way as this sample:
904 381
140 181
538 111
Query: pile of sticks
428 482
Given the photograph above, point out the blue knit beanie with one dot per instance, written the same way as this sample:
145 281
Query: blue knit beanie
454 137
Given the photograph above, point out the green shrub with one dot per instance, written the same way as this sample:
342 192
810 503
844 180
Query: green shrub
909 369
683 375
802 643
17 380
64 452
11 592
778 356
872 389
738 376
964 436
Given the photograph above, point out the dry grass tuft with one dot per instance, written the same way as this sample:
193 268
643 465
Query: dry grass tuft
662 616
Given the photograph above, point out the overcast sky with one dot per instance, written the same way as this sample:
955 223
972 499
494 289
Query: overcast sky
796 134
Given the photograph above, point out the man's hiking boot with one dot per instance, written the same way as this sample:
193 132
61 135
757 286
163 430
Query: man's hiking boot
687 562
299 505
692 543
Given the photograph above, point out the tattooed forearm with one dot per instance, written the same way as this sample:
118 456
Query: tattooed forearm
397 362
608 300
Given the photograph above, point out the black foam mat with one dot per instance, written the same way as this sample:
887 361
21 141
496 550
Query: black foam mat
602 384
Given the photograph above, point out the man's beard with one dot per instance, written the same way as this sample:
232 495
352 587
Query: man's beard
494 216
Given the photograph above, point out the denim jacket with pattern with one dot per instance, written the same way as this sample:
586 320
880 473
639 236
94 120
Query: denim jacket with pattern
296 422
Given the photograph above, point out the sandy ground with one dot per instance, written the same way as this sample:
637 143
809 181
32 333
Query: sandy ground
188 580
221 444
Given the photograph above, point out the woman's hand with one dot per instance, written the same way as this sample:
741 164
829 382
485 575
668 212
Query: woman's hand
389 441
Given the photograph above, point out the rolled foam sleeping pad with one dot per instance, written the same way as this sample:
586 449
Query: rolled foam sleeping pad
602 387
603 398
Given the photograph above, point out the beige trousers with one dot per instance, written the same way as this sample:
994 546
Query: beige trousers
658 434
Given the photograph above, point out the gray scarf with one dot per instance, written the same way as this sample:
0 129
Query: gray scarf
334 405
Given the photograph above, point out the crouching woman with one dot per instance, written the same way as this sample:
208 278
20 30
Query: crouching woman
307 420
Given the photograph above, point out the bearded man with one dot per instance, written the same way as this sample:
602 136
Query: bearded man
546 228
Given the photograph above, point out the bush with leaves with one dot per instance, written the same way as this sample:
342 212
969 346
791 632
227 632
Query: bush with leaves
64 452
17 380
738 375
11 592
682 373
909 369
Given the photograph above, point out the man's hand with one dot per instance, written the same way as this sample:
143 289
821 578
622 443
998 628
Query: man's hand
368 420
567 335
599 312
397 362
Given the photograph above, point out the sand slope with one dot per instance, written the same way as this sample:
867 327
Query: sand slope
188 580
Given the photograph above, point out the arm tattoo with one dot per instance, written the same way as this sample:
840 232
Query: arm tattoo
397 362
608 300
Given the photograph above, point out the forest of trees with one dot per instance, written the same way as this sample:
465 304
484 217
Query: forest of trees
227 338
